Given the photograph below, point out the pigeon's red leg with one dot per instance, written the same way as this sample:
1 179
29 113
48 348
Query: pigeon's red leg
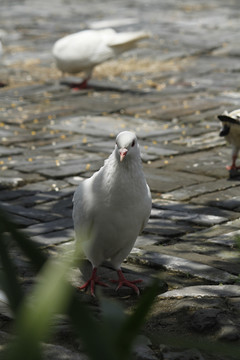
233 166
122 281
94 280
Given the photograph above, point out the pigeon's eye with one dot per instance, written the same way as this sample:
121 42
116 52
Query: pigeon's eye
133 143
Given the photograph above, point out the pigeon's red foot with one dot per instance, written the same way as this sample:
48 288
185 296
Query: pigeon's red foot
94 280
82 86
232 167
76 86
122 281
79 86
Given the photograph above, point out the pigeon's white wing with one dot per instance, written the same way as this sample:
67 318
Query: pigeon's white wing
83 210
148 208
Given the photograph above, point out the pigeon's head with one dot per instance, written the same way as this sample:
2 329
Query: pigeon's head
126 144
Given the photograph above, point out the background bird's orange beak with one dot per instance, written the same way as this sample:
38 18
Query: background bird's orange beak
123 153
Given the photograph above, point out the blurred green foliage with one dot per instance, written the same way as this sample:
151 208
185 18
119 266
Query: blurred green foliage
237 241
110 338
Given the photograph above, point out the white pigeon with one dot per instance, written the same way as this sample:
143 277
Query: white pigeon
111 209
231 131
85 49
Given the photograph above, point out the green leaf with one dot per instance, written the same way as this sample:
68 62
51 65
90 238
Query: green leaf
112 316
51 296
9 281
96 341
133 323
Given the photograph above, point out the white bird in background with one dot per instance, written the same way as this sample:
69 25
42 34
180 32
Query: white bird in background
111 209
85 49
231 131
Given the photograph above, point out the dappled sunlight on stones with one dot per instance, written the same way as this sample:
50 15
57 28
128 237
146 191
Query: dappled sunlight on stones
169 91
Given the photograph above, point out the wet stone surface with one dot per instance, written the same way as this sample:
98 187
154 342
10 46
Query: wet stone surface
169 90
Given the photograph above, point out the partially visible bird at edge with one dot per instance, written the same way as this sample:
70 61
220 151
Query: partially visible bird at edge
82 51
111 208
2 84
231 131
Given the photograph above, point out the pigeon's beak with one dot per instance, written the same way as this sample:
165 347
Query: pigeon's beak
123 153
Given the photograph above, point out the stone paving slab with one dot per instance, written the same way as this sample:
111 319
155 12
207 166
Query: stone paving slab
205 291
227 230
187 208
199 219
226 199
49 227
206 253
173 263
54 237
28 212
165 182
193 191
200 163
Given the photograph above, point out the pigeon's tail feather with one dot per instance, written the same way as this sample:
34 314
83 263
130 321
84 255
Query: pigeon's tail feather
125 41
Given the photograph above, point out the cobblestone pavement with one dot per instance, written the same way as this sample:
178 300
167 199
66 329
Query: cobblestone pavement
170 91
